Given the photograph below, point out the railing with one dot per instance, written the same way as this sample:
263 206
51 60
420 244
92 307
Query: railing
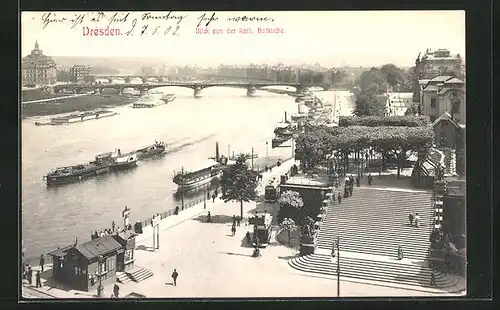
168 213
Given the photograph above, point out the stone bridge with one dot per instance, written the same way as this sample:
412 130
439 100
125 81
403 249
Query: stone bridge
196 86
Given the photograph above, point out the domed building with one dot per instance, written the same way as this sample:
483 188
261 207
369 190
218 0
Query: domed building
38 69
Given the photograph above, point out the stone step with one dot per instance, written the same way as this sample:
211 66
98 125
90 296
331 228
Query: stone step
140 274
123 277
389 252
372 270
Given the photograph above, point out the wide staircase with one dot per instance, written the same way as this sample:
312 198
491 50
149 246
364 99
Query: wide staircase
137 274
370 225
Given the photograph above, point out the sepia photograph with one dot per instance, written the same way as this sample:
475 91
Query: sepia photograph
242 154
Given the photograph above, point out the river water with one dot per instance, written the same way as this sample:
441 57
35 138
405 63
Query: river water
53 217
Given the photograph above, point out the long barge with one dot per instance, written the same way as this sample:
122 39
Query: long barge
197 176
78 117
104 163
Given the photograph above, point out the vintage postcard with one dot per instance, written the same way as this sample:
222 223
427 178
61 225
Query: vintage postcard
243 154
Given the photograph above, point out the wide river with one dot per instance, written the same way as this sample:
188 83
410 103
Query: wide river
53 217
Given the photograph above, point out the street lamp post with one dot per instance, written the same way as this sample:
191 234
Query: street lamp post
204 198
336 255
99 272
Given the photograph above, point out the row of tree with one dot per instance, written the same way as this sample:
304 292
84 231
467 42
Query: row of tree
375 82
385 135
376 121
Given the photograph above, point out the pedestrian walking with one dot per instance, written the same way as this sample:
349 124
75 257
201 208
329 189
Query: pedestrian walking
208 196
339 197
213 197
30 275
370 178
176 210
216 192
238 220
42 262
351 188
234 220
417 220
38 279
357 181
116 290
174 276
433 278
410 218
400 253
113 226
233 230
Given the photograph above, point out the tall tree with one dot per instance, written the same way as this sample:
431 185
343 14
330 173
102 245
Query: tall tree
368 105
393 75
238 183
308 148
373 82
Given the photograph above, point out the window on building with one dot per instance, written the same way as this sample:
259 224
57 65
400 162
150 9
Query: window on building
433 103
129 254
103 267
455 107
110 263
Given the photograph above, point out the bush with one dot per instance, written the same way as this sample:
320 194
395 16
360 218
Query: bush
378 121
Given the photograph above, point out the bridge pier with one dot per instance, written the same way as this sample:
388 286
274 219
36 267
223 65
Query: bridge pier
144 92
251 91
128 79
197 92
120 91
144 79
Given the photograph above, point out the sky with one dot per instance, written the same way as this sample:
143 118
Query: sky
331 38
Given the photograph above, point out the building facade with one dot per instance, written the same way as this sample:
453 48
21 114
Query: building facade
83 266
441 62
79 73
38 69
443 94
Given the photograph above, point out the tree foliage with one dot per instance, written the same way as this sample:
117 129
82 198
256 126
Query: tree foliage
395 140
376 121
291 199
288 225
368 105
393 75
373 82
238 183
308 148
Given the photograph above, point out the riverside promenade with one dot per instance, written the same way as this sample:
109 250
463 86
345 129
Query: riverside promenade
213 264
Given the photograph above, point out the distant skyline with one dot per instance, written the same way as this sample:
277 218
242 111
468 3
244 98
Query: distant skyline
331 38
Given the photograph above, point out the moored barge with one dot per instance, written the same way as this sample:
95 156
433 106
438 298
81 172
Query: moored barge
102 164
203 174
78 117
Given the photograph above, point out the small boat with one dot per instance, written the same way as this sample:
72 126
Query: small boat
200 175
168 98
138 105
77 117
284 129
156 149
103 163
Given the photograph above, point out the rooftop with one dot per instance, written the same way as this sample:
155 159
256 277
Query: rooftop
445 117
99 246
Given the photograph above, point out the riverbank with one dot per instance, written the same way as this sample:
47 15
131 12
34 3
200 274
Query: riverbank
85 103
